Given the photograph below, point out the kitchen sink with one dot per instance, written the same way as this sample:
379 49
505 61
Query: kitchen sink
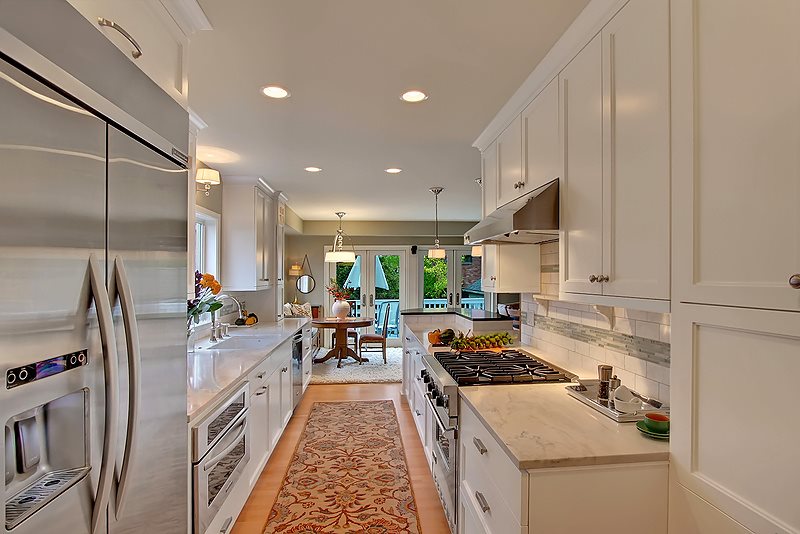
240 342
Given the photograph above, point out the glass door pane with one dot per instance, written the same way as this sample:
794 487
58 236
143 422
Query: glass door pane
350 275
386 280
468 281
435 282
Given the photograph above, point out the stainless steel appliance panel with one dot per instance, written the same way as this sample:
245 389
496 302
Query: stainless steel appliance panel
52 219
147 229
297 368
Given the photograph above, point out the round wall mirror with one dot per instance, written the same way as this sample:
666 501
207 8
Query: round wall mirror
306 284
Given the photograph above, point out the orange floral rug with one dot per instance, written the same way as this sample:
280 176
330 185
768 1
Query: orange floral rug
348 475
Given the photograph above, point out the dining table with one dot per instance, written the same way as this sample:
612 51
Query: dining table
340 349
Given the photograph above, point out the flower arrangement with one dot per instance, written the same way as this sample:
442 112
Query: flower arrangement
206 289
338 292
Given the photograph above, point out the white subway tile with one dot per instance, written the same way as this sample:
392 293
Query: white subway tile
636 365
590 366
615 359
603 322
657 317
526 339
582 348
638 315
663 393
598 353
626 377
665 333
659 373
624 326
575 317
648 330
646 387
620 312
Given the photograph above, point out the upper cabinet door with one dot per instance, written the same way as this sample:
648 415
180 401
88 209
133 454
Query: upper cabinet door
509 154
581 84
261 228
636 180
735 157
489 182
542 143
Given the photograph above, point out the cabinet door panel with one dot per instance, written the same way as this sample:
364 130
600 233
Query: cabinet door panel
489 186
582 193
509 155
262 276
543 161
728 445
736 132
489 268
636 180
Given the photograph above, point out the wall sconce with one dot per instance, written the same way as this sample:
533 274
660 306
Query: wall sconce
207 177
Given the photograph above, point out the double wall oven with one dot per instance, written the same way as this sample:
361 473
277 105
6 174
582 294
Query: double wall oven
444 372
220 452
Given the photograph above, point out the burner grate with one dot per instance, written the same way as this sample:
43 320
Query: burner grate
23 505
490 367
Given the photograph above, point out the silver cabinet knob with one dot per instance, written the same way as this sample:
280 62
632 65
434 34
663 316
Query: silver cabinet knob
604 278
593 278
794 281
480 446
482 502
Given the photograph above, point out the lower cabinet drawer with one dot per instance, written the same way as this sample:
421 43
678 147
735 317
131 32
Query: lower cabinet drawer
482 513
485 463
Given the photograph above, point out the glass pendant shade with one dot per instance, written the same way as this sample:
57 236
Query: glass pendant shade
438 253
340 256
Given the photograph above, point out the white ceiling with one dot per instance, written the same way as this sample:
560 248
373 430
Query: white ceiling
345 63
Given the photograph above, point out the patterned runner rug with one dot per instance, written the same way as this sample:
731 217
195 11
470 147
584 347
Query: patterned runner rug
348 475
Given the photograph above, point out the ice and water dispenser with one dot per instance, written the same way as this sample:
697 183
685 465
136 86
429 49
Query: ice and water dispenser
46 448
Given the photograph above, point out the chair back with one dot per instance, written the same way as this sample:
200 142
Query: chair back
384 333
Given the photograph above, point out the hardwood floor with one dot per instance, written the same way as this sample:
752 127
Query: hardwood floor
431 516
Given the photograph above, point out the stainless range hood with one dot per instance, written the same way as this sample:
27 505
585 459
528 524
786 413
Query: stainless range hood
529 219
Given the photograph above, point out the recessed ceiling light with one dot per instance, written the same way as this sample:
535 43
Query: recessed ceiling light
414 96
394 170
215 154
275 91
313 169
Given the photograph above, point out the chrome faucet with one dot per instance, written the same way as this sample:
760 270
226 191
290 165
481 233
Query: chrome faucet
235 300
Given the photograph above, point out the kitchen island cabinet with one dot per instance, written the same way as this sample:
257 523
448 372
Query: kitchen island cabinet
525 470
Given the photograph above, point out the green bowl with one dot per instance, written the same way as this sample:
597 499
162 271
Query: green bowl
657 422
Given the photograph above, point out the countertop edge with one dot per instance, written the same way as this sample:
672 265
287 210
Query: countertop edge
564 462
199 412
463 312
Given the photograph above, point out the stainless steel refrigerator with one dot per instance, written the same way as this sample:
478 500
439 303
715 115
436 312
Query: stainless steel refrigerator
93 277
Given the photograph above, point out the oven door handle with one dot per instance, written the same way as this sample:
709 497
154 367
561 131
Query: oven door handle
444 427
234 442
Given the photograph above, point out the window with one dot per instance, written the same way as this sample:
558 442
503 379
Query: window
206 241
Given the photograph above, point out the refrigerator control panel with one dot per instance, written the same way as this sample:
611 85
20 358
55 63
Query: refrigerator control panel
26 374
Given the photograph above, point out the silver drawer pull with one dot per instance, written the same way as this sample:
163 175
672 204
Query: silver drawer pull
482 502
261 391
261 375
226 525
418 412
111 24
480 446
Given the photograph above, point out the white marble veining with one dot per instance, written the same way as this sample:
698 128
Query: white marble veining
539 425
212 373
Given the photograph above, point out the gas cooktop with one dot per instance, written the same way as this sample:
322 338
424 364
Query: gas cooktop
504 367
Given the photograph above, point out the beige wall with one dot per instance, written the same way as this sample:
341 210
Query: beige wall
314 246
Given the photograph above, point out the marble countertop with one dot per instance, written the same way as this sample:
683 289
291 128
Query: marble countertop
475 315
213 373
540 425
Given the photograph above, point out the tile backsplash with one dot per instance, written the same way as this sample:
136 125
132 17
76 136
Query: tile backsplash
578 338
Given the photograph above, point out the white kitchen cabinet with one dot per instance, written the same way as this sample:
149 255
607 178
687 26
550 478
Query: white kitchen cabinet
509 159
735 135
259 431
717 420
616 194
636 173
164 47
489 179
581 190
498 498
248 237
281 403
511 268
541 142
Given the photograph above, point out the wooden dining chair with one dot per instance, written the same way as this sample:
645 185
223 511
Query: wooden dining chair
372 340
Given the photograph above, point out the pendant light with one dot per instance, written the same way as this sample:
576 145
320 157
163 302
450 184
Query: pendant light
338 254
436 252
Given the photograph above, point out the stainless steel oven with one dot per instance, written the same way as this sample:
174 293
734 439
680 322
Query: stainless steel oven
221 450
444 459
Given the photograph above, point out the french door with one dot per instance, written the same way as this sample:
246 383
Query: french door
376 281
452 281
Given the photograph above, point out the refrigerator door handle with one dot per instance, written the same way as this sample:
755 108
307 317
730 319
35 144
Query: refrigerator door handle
123 289
111 375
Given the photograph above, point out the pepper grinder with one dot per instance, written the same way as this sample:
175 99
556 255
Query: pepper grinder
613 384
604 373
